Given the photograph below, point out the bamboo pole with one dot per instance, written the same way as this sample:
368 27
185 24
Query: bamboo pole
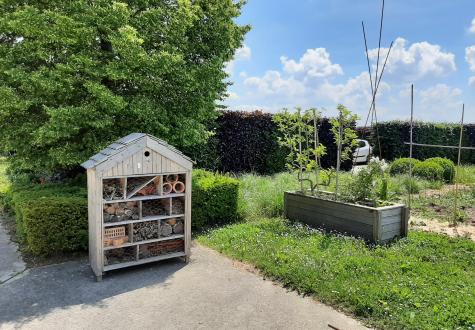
458 161
410 147
338 159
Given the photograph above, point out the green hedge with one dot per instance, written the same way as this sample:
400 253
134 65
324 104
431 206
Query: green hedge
393 134
214 199
246 142
50 218
55 224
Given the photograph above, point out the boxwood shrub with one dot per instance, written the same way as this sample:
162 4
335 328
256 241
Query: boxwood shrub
429 170
55 224
402 165
214 199
447 165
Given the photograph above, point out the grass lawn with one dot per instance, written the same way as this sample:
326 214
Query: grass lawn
425 281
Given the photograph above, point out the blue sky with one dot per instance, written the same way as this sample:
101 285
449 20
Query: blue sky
310 53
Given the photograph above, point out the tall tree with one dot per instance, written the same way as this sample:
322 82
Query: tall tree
76 75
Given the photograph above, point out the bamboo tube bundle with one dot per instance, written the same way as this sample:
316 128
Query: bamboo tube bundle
112 189
146 230
178 206
178 187
155 207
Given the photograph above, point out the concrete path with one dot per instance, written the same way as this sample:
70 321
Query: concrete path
211 292
11 263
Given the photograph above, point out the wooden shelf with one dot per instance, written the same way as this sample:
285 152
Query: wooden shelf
142 198
150 218
145 242
144 261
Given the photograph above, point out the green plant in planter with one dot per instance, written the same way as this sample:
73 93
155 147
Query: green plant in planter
345 137
299 132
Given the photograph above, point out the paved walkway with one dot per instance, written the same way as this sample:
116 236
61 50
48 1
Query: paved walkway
208 293
11 263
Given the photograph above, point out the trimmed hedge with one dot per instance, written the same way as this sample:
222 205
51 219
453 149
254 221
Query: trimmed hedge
393 134
244 142
52 218
55 224
402 165
429 170
214 199
447 165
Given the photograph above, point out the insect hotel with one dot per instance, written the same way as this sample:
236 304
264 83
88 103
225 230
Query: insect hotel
139 197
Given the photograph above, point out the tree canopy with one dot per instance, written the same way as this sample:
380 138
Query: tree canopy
76 75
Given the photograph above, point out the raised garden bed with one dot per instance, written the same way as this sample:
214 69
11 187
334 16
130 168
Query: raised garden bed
375 224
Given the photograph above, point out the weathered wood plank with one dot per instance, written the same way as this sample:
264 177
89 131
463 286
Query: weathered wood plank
376 224
391 219
330 222
392 212
361 215
344 207
396 226
367 219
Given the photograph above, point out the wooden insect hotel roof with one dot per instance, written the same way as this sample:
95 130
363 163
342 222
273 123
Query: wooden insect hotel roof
119 147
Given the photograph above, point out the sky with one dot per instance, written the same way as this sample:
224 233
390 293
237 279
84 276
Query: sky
310 53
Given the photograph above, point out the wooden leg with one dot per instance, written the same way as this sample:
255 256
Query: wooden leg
187 259
98 278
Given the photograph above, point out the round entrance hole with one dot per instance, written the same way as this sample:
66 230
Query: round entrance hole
146 153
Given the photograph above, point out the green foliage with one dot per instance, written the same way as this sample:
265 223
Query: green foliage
393 134
447 165
343 132
299 135
425 281
363 186
55 224
429 170
402 165
20 197
263 196
76 75
214 199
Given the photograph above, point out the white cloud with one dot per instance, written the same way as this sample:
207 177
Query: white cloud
314 63
243 53
417 61
470 57
471 29
273 83
309 82
471 81
232 96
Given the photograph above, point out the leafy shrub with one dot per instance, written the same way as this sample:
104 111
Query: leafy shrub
21 198
214 199
55 224
447 165
429 170
402 165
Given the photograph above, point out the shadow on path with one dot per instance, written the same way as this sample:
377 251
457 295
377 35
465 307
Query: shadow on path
43 289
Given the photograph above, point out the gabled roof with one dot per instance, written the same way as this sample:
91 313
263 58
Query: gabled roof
121 144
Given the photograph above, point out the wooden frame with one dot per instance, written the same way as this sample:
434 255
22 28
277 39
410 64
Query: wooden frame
375 224
137 155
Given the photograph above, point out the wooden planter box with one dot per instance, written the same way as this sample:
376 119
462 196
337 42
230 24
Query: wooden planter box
375 224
